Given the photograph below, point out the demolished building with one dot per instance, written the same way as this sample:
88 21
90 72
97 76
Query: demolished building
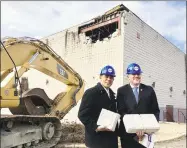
119 37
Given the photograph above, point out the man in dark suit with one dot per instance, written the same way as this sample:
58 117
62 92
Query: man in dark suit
135 98
94 99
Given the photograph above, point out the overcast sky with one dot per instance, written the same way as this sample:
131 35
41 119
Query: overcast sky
40 19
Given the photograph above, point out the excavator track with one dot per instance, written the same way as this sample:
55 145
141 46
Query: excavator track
31 131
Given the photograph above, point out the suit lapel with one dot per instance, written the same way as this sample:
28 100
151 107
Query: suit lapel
103 91
112 94
141 89
108 103
132 98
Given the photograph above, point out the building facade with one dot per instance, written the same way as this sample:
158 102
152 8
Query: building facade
119 37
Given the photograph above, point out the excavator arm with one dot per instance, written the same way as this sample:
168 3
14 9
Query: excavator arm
32 53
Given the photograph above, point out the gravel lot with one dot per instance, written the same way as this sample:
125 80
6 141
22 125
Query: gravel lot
177 143
73 136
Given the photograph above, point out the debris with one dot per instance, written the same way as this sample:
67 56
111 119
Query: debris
72 133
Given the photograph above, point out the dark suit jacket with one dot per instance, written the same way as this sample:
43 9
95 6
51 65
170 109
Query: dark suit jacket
126 104
94 99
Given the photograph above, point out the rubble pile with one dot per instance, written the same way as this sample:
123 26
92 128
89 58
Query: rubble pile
72 133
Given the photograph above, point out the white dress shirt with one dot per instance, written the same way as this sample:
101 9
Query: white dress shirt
107 91
134 87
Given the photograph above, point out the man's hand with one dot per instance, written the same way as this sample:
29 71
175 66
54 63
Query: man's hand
102 128
140 135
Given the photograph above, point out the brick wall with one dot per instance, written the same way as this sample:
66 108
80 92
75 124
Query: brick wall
86 58
160 61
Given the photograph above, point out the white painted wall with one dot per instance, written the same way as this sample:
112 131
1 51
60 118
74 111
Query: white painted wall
88 59
160 61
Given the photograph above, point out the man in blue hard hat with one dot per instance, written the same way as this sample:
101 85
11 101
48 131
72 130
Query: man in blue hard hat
135 98
94 99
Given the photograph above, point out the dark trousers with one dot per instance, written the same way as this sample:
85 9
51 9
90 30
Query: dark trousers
130 142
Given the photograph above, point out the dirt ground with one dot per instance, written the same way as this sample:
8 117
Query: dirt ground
177 143
72 133
73 137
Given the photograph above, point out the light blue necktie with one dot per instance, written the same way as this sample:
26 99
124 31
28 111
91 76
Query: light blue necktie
135 91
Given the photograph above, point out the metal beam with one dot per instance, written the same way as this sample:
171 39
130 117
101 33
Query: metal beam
100 25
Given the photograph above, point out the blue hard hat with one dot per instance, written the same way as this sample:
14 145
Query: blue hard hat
108 70
134 69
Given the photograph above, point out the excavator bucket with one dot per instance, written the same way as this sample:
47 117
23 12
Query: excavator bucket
33 102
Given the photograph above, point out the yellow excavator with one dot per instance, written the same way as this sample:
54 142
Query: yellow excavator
35 119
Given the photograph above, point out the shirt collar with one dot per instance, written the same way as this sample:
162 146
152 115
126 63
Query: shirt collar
134 86
107 89
102 88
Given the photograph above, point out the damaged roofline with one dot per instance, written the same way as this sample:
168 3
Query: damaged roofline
120 7
104 26
100 25
102 18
